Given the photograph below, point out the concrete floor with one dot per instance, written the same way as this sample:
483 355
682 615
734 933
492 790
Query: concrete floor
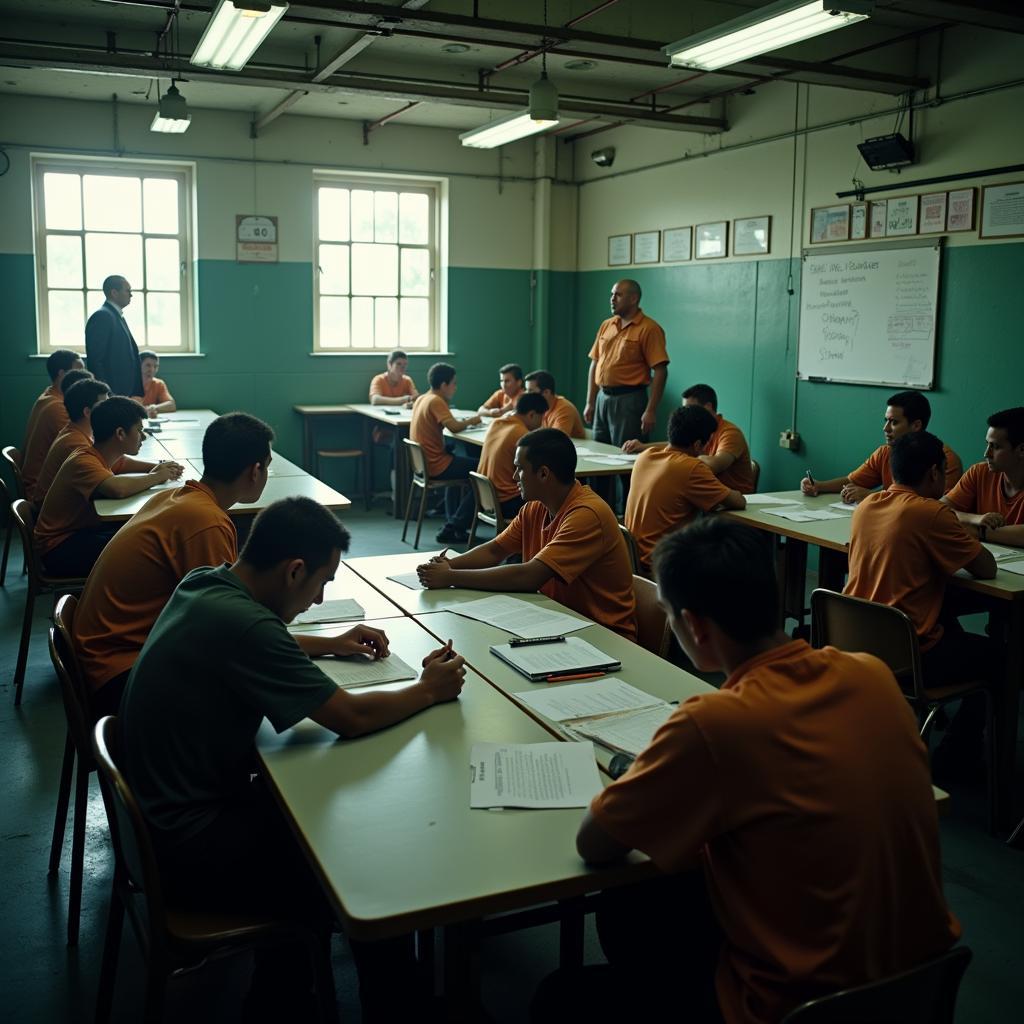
42 980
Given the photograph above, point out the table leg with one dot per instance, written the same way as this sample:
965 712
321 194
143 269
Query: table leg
1008 710
793 579
401 468
367 460
832 568
462 1000
570 934
307 442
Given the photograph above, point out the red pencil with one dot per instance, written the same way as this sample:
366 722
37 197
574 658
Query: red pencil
567 679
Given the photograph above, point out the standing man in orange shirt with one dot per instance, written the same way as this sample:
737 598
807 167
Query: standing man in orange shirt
497 456
791 812
569 539
57 364
561 414
50 420
394 387
510 387
990 496
155 395
431 416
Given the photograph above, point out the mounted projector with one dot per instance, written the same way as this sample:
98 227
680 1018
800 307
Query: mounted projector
887 151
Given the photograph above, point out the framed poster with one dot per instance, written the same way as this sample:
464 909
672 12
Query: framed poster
255 238
858 220
933 213
960 209
620 250
1002 210
647 247
901 216
877 219
751 236
830 223
712 240
676 245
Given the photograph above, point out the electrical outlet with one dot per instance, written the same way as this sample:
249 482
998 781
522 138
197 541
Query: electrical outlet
789 439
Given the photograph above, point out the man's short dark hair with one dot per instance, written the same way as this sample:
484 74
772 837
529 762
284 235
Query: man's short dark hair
690 423
553 448
233 443
632 286
703 393
61 359
113 283
514 368
545 381
116 411
1012 421
395 355
294 528
72 377
149 355
531 402
722 571
914 454
82 395
440 374
914 405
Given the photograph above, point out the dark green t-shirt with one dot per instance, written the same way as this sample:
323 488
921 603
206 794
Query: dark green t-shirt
215 664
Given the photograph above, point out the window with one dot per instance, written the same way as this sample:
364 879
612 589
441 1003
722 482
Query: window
97 219
375 286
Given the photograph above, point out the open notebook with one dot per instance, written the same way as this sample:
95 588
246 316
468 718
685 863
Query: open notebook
550 663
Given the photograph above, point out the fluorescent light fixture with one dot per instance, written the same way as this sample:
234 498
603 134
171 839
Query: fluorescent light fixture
542 115
235 32
171 113
769 28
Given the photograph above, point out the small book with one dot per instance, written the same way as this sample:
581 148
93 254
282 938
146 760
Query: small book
570 659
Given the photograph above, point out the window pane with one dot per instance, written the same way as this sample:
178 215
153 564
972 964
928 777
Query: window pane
160 204
112 203
163 319
333 262
333 214
135 318
64 261
362 323
62 201
414 219
415 321
385 333
362 215
375 269
334 323
163 264
93 301
415 272
113 254
385 217
67 319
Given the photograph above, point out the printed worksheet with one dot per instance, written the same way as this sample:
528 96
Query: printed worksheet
537 775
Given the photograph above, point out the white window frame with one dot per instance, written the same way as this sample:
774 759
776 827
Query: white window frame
183 173
436 190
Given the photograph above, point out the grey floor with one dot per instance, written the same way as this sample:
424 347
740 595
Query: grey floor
42 980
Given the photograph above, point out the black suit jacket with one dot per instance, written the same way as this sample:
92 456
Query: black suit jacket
111 353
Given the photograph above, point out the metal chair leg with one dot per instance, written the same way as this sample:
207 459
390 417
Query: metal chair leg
7 550
26 637
63 799
408 510
77 852
419 520
111 951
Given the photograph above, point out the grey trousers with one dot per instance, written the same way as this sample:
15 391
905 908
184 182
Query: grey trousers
617 420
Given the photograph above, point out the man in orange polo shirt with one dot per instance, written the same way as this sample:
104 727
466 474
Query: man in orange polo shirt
497 456
671 484
57 364
51 419
727 453
905 412
568 537
155 397
394 387
791 811
561 414
431 416
989 497
510 387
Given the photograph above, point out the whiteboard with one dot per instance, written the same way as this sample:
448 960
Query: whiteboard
868 314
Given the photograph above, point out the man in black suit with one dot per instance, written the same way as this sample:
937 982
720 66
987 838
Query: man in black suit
110 349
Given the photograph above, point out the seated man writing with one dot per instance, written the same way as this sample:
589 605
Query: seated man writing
217 662
791 812
568 538
51 417
670 486
497 456
155 396
510 387
905 413
561 413
990 496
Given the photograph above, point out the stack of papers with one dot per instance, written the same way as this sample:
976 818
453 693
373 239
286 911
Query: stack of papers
567 660
359 670
538 775
612 460
629 733
768 499
798 514
342 610
579 701
1004 554
843 506
520 617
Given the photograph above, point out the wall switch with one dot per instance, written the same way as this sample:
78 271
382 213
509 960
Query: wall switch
790 440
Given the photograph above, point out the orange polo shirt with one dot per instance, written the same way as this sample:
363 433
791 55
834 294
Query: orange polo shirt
903 548
427 430
381 385
63 445
67 507
47 395
173 533
51 419
564 416
980 490
804 788
625 354
585 550
499 400
666 490
154 393
729 438
876 470
497 456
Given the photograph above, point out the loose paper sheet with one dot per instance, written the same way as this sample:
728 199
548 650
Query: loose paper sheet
1014 567
359 670
627 733
610 460
768 499
533 775
575 701
1004 554
844 506
408 579
342 610
804 515
519 617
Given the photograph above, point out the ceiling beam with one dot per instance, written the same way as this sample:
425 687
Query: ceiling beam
1001 16
835 74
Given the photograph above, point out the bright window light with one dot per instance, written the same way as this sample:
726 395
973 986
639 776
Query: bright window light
235 32
507 129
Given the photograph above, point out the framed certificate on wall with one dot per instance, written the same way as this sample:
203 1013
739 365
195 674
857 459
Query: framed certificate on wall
751 236
858 220
960 209
676 245
901 216
712 240
933 213
647 247
620 250
830 223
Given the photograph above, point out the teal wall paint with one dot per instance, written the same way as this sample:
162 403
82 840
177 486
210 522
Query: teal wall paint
555 326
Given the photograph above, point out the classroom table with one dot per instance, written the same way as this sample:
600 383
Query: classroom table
279 466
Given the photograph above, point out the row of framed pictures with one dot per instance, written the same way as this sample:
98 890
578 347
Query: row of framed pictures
751 236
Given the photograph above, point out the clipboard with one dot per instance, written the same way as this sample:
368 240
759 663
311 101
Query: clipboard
545 663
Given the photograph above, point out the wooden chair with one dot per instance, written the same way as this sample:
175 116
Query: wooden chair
38 583
652 628
853 624
77 745
171 938
12 457
756 467
923 995
488 507
634 553
421 479
5 500
356 454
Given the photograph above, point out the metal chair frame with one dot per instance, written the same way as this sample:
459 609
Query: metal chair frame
421 478
488 507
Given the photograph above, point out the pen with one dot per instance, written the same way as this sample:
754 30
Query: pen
807 473
569 679
531 641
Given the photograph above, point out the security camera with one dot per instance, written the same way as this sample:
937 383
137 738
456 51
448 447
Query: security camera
603 157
